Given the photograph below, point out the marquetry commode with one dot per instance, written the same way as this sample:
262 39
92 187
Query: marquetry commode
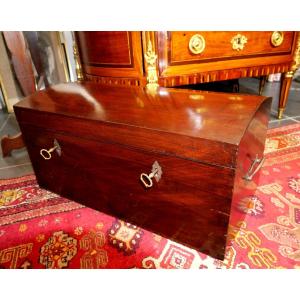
172 59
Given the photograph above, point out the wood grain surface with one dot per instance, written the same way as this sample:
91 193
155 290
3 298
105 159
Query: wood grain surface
204 143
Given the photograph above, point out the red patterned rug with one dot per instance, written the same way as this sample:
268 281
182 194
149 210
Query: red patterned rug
39 229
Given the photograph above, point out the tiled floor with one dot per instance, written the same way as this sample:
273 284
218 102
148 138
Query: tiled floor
292 112
18 163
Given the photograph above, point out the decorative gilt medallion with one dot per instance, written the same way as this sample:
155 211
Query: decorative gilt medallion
277 38
238 42
297 55
78 68
151 58
197 44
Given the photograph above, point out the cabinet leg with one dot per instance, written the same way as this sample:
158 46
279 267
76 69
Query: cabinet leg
286 80
262 82
11 143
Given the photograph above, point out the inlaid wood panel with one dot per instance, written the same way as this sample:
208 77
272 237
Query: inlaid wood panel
106 48
219 61
175 79
115 81
218 45
110 53
174 64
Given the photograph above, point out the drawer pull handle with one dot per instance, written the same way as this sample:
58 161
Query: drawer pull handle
197 44
249 175
156 173
277 38
46 154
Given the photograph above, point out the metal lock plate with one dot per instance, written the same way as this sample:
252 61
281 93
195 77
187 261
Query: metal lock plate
156 170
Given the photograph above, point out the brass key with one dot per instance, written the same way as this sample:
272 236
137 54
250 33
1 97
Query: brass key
46 154
156 173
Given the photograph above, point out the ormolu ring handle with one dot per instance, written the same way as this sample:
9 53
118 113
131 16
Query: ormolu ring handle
277 38
46 154
197 44
148 178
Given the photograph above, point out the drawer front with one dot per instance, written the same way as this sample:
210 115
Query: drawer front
190 47
189 204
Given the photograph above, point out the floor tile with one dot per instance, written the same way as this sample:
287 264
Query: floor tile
13 172
17 157
18 162
3 119
297 119
293 106
280 123
11 126
272 89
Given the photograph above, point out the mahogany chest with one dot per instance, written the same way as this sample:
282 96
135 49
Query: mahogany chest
168 160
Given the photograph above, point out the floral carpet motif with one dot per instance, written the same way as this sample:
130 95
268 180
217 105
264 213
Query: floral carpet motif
39 229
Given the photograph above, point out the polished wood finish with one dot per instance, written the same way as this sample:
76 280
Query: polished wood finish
109 136
117 50
178 66
10 143
252 144
189 116
106 177
111 53
219 47
253 60
115 81
285 84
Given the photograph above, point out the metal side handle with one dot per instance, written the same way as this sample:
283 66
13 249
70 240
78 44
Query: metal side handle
251 172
